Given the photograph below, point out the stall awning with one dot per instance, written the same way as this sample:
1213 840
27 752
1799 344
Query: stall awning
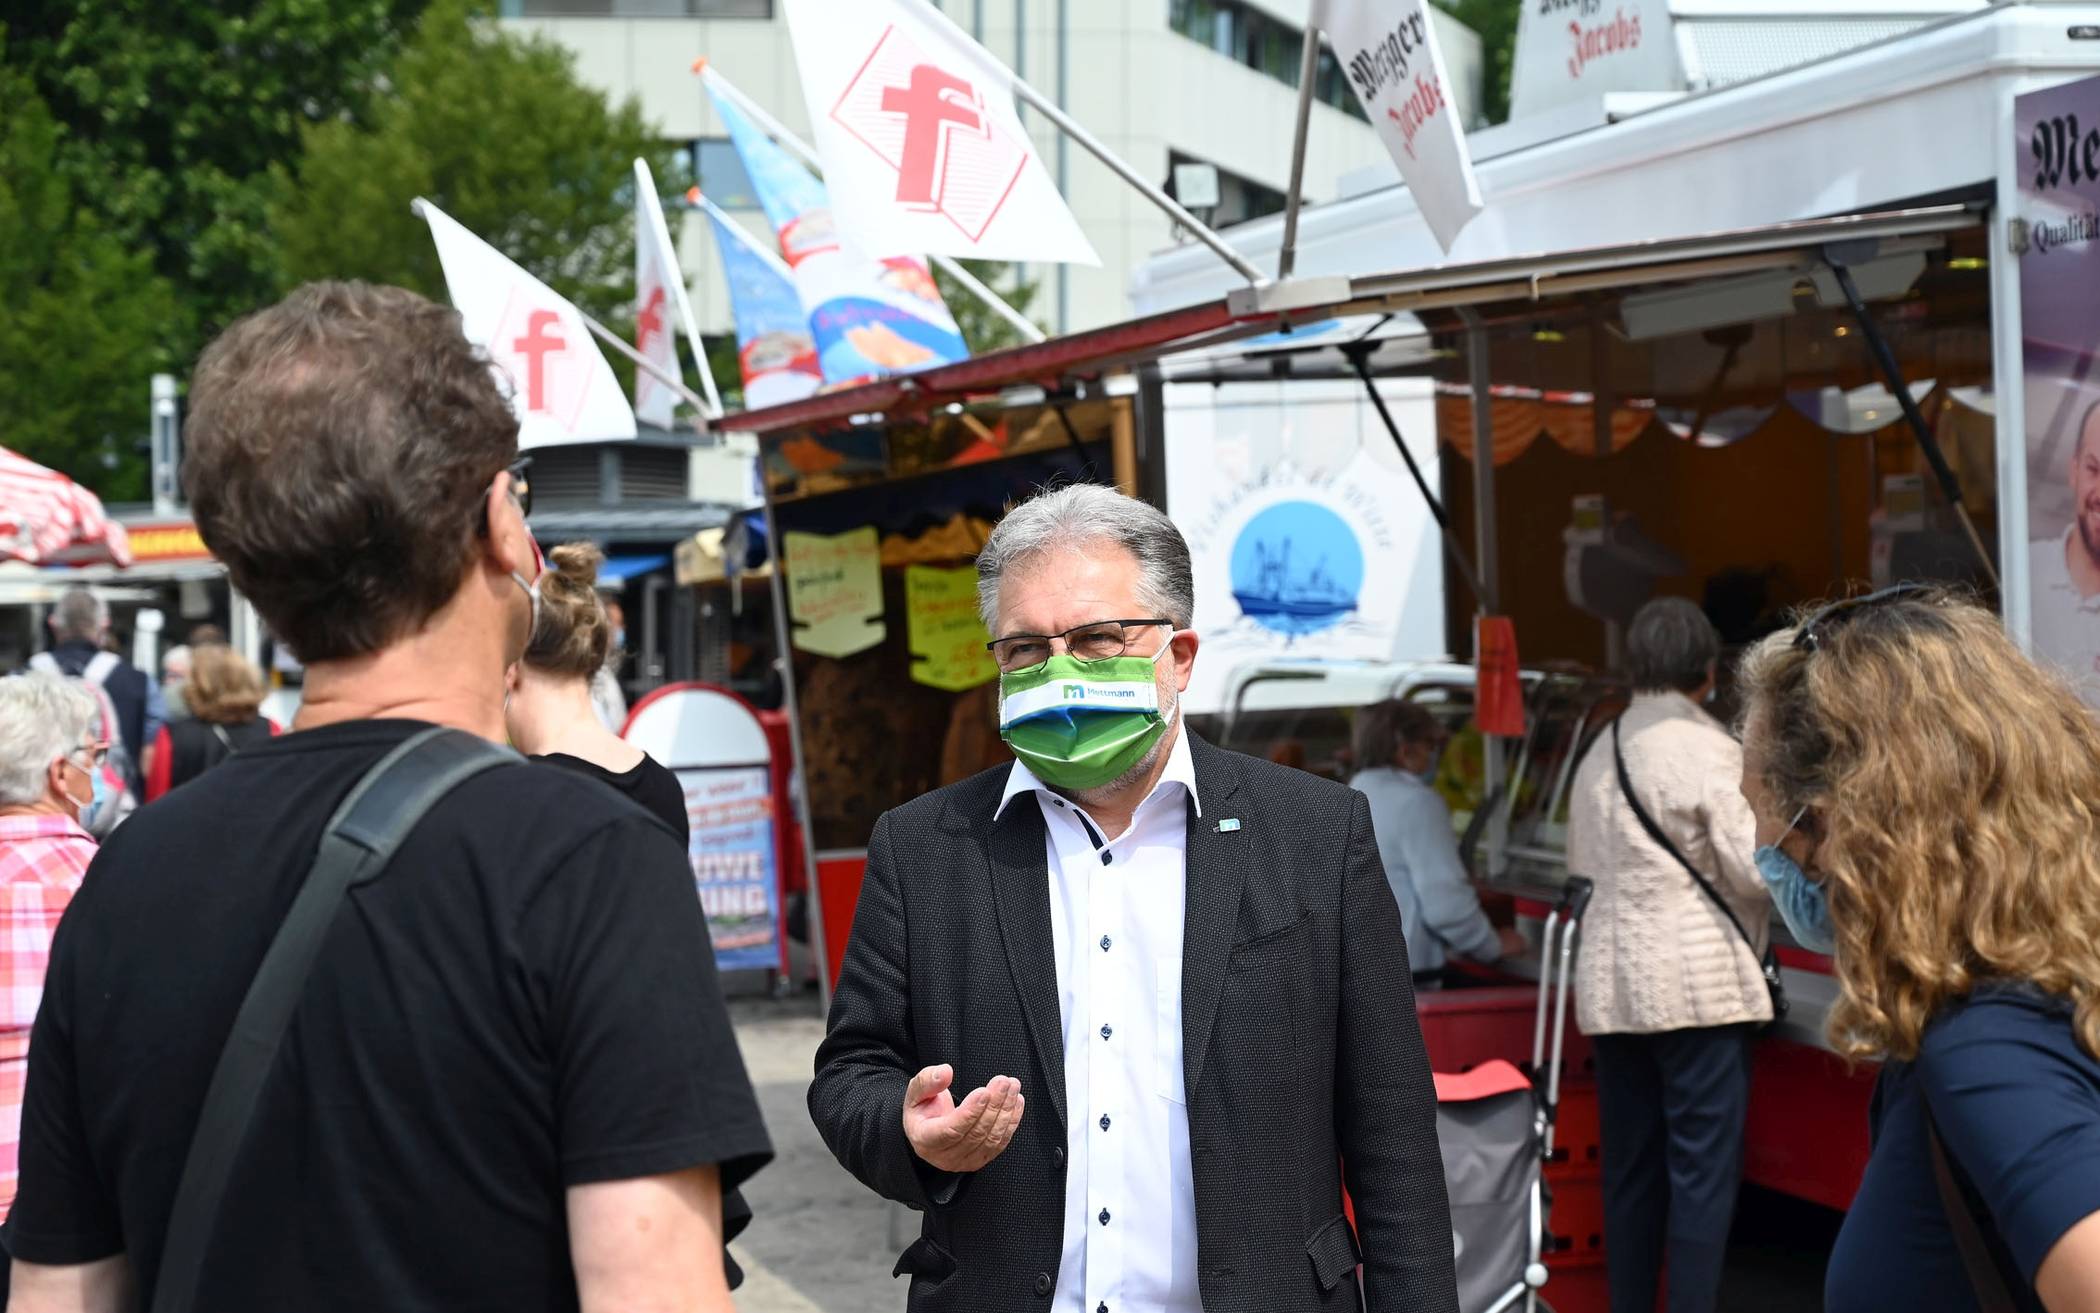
1255 311
638 525
623 568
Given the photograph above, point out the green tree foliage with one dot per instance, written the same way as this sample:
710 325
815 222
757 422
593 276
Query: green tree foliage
1496 22
174 111
983 328
83 314
491 125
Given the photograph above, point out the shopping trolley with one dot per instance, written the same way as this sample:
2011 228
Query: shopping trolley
1495 1124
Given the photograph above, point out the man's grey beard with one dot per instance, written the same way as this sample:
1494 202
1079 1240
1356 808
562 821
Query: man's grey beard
1169 711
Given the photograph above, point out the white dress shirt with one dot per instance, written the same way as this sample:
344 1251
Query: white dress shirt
1116 909
2065 623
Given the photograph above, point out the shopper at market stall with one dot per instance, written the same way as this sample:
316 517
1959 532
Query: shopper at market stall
1669 984
506 1078
50 764
222 700
1400 743
1925 809
79 634
1120 1016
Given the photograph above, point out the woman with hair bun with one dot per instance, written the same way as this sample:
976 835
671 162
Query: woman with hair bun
549 711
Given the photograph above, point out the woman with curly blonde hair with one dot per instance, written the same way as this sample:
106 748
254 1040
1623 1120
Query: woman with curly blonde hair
1928 810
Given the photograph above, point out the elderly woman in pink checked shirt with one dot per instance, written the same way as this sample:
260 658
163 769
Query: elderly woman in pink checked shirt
50 760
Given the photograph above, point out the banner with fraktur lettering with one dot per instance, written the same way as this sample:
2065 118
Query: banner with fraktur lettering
1387 49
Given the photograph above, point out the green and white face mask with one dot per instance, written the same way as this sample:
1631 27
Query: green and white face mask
1081 724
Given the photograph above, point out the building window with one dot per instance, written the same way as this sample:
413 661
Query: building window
637 8
1267 45
720 171
1239 198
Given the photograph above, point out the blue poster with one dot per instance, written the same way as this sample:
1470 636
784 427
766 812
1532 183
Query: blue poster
734 863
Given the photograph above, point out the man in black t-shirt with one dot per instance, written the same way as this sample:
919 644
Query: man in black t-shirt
510 1082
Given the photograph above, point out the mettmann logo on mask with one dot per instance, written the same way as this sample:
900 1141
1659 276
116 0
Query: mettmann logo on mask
1080 725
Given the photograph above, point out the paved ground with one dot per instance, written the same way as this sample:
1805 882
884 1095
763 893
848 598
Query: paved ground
822 1244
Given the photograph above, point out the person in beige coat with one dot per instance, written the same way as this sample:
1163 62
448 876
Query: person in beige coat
1666 987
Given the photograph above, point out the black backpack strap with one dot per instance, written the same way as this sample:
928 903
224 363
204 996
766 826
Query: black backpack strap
360 840
1662 841
1993 1294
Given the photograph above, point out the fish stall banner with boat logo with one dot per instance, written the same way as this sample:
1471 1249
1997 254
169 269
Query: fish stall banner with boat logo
870 318
1309 541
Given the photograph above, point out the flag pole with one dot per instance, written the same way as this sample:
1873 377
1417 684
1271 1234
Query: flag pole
1308 71
736 230
668 258
656 371
1115 163
780 132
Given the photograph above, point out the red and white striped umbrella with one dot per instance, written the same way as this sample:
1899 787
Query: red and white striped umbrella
47 519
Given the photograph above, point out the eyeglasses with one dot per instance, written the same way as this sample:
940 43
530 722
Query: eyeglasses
98 753
1812 634
1103 640
521 483
520 489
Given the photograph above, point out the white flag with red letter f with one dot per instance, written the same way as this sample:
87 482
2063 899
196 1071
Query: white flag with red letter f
922 149
1387 49
561 387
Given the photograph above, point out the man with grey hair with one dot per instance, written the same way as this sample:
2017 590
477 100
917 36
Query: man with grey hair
1669 985
1124 1017
79 623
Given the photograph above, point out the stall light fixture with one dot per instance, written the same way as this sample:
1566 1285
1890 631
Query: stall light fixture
1548 335
1968 263
1120 385
1015 398
1841 331
955 408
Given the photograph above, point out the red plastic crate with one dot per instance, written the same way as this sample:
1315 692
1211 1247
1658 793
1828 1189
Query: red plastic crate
1577 1286
1575 1222
1578 1138
1463 1028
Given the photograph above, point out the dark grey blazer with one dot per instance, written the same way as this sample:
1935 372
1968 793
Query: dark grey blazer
1301 1051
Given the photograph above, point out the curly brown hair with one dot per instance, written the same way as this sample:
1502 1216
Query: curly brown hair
339 446
574 635
1958 789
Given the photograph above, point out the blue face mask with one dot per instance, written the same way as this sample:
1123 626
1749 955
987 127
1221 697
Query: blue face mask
1803 904
98 798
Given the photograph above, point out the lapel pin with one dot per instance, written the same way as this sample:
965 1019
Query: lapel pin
1229 825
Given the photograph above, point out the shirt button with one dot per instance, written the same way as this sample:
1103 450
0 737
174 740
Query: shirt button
1043 1283
1104 1217
1104 1121
1107 858
1107 1030
1057 1155
1103 1307
1105 941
